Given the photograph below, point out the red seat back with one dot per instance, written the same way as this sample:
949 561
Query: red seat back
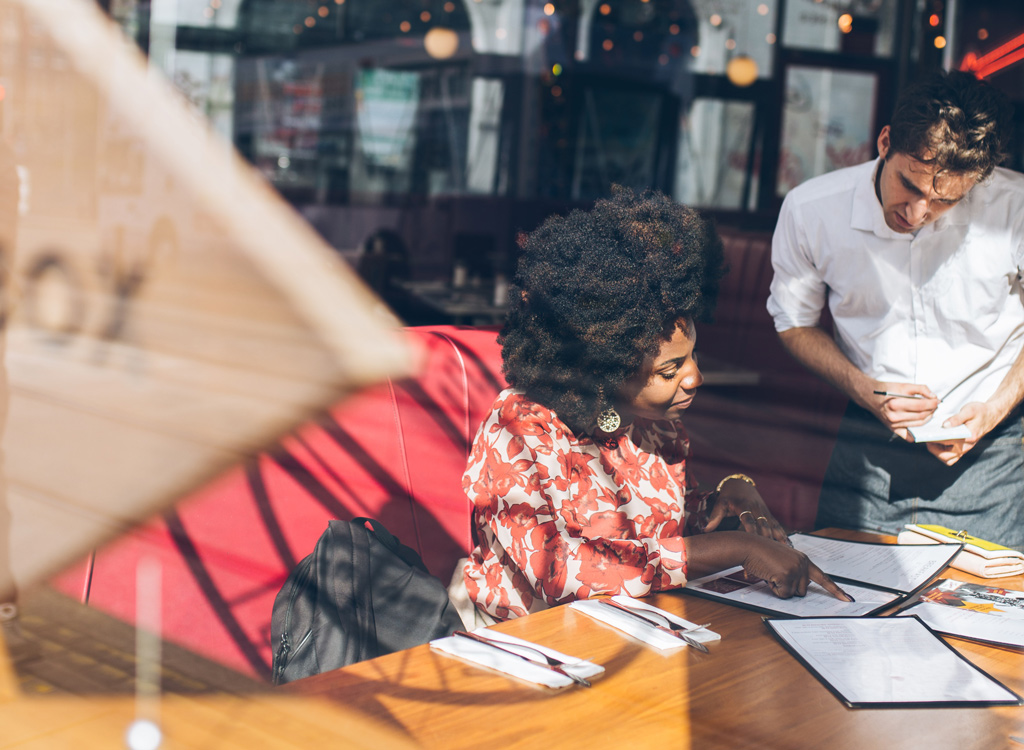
395 452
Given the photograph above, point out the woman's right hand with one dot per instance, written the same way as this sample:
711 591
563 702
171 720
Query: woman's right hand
786 570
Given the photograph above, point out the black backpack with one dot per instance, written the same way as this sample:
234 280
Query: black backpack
360 594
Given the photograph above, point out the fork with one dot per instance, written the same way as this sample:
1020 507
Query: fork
555 665
673 628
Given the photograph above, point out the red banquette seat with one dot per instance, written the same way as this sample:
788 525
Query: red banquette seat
395 452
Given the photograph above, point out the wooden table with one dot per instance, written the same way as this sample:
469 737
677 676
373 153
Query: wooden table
747 693
74 694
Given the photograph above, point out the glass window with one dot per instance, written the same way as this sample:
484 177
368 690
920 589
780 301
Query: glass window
717 163
208 81
828 122
639 34
442 120
734 28
860 27
616 141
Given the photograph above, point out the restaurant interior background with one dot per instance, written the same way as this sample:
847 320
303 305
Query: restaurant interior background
419 136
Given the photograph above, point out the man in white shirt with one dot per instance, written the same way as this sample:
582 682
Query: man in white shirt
918 256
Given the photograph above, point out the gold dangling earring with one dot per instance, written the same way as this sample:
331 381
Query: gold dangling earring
609 419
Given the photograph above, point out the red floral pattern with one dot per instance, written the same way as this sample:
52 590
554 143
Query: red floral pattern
558 518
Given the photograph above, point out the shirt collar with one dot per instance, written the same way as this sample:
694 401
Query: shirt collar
869 217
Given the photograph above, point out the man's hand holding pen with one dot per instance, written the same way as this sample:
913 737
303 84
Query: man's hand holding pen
902 405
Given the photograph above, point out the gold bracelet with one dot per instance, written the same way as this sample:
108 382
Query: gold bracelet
742 477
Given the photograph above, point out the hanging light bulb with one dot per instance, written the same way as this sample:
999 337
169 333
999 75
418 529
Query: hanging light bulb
441 43
741 70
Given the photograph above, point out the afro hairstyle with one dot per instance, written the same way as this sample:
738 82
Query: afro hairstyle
598 292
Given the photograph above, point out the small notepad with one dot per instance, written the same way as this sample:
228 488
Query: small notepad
929 433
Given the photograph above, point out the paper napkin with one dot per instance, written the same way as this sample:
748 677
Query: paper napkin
996 562
638 629
486 656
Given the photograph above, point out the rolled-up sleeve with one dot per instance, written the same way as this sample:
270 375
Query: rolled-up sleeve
798 293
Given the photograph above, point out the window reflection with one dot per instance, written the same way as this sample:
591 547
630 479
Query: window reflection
342 101
734 28
825 123
718 164
442 120
861 27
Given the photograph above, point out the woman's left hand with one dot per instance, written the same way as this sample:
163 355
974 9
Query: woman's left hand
742 500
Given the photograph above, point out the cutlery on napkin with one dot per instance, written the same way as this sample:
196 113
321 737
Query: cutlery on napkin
660 623
519 658
647 632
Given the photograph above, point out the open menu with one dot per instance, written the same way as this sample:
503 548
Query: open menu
880 662
877 576
975 611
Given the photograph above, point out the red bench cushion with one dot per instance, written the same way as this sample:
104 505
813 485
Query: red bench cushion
395 452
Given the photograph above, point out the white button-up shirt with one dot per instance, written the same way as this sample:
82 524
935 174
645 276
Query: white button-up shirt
942 307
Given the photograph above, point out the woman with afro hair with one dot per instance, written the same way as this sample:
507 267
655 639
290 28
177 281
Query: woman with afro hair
578 476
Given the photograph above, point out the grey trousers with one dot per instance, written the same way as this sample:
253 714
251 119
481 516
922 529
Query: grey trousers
877 481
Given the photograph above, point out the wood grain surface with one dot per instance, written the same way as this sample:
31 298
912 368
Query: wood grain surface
748 693
200 722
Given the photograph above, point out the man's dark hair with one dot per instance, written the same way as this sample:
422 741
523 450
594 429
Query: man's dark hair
954 121
597 292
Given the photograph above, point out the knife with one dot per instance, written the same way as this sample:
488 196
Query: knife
549 661
658 626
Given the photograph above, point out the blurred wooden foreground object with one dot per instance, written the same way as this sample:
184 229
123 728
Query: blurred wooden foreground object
166 313
210 722
749 692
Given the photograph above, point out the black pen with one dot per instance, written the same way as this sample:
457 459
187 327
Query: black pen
900 395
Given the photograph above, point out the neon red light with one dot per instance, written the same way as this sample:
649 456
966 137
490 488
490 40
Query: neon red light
994 61
1001 63
970 62
1001 50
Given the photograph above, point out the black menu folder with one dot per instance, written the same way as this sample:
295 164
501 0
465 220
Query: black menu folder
888 662
878 576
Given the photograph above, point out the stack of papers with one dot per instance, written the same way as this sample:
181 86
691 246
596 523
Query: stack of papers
973 611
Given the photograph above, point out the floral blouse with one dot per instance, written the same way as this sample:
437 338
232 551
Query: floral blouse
558 518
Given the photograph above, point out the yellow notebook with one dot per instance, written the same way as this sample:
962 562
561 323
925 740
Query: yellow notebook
971 543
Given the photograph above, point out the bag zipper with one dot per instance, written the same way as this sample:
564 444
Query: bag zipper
283 648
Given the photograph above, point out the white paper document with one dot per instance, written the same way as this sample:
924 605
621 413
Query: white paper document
900 568
965 623
875 575
875 662
936 433
976 611
734 587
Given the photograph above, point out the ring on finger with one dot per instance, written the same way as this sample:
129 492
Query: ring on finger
761 518
746 513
